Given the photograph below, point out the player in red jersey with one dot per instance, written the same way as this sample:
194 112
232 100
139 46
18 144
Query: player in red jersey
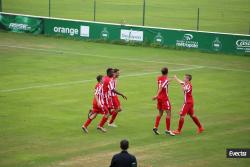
163 103
188 106
108 88
98 104
115 100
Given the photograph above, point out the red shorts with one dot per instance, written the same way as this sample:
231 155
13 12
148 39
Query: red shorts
115 102
99 110
187 108
163 104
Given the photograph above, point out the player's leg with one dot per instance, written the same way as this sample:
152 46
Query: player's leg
184 111
91 116
117 109
168 119
113 117
103 120
157 121
196 120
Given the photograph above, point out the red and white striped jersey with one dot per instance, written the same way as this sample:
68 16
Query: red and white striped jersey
113 86
107 86
188 97
99 93
163 83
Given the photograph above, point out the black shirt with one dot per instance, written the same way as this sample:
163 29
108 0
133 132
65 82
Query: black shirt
123 159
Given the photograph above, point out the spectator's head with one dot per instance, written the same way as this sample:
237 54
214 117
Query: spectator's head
124 145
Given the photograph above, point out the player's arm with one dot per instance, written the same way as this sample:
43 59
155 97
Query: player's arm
178 80
120 94
158 92
96 98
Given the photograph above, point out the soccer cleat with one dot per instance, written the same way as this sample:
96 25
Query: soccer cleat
177 132
85 130
101 129
200 130
169 133
112 125
155 130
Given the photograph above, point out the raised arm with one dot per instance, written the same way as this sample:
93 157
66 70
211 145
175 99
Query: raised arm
178 80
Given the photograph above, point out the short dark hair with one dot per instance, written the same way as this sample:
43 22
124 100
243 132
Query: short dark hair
99 78
124 144
189 76
164 71
116 70
109 71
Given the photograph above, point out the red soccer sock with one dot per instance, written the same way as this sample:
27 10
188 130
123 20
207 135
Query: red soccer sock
103 121
86 124
157 121
114 114
181 122
196 121
168 123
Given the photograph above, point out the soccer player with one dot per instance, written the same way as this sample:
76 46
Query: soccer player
108 88
115 100
163 103
98 104
188 106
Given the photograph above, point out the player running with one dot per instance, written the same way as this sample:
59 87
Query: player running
115 100
98 104
188 106
163 103
108 88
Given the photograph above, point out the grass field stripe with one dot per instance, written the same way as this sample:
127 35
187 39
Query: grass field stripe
92 55
90 80
120 58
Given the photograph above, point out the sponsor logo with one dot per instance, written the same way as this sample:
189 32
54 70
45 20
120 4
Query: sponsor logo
84 31
131 35
159 39
216 44
188 37
18 26
243 44
66 30
238 153
104 33
187 42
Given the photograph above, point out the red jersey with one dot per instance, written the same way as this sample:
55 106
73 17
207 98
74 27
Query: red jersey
163 83
107 86
114 83
99 93
188 98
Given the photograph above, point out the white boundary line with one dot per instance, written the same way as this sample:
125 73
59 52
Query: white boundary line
120 58
86 81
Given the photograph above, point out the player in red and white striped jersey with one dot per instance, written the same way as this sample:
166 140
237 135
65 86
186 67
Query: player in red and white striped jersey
163 103
98 104
108 88
116 106
188 106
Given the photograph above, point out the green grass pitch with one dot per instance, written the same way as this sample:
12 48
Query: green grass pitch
215 15
46 87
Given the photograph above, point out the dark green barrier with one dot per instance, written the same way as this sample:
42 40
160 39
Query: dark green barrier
17 23
174 38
